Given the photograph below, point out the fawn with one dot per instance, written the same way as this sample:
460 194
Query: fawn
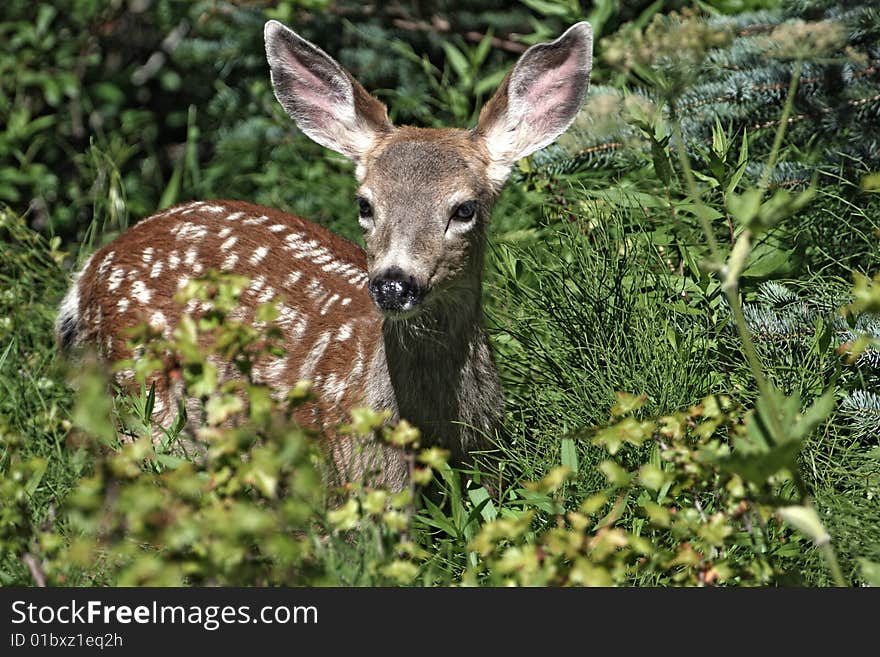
398 326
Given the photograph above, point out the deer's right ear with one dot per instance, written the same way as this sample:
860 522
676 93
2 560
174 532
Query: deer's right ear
326 103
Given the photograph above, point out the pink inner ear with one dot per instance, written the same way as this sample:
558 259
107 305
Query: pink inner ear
552 92
320 96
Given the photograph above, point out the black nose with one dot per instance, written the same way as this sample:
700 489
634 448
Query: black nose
395 291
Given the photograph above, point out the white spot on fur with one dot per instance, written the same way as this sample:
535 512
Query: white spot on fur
190 232
258 255
230 261
267 295
277 228
344 333
140 292
299 330
115 280
293 277
105 264
354 374
122 304
228 244
215 209
314 356
335 387
235 216
257 284
311 249
346 301
182 282
223 233
326 307
157 320
314 289
253 221
293 321
293 239
173 260
147 256
190 256
125 375
190 207
276 370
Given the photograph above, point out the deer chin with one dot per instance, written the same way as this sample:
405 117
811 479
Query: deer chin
402 313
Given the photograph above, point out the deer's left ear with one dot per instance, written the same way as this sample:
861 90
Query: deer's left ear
538 100
326 103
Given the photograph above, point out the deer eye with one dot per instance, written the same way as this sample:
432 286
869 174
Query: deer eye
365 210
465 211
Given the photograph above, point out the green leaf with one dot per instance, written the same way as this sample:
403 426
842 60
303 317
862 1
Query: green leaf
481 500
261 404
736 261
866 294
650 476
627 403
483 48
39 469
457 60
757 467
628 430
169 461
806 520
741 164
745 207
569 455
870 571
489 82
660 158
815 415
345 517
437 519
547 8
870 183
615 475
171 193
767 259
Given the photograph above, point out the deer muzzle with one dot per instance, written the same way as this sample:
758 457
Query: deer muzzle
394 291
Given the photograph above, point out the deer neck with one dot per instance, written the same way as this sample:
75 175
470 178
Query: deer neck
437 372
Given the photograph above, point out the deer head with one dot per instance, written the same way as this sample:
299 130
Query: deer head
425 195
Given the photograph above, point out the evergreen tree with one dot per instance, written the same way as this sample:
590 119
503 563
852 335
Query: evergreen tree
742 85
